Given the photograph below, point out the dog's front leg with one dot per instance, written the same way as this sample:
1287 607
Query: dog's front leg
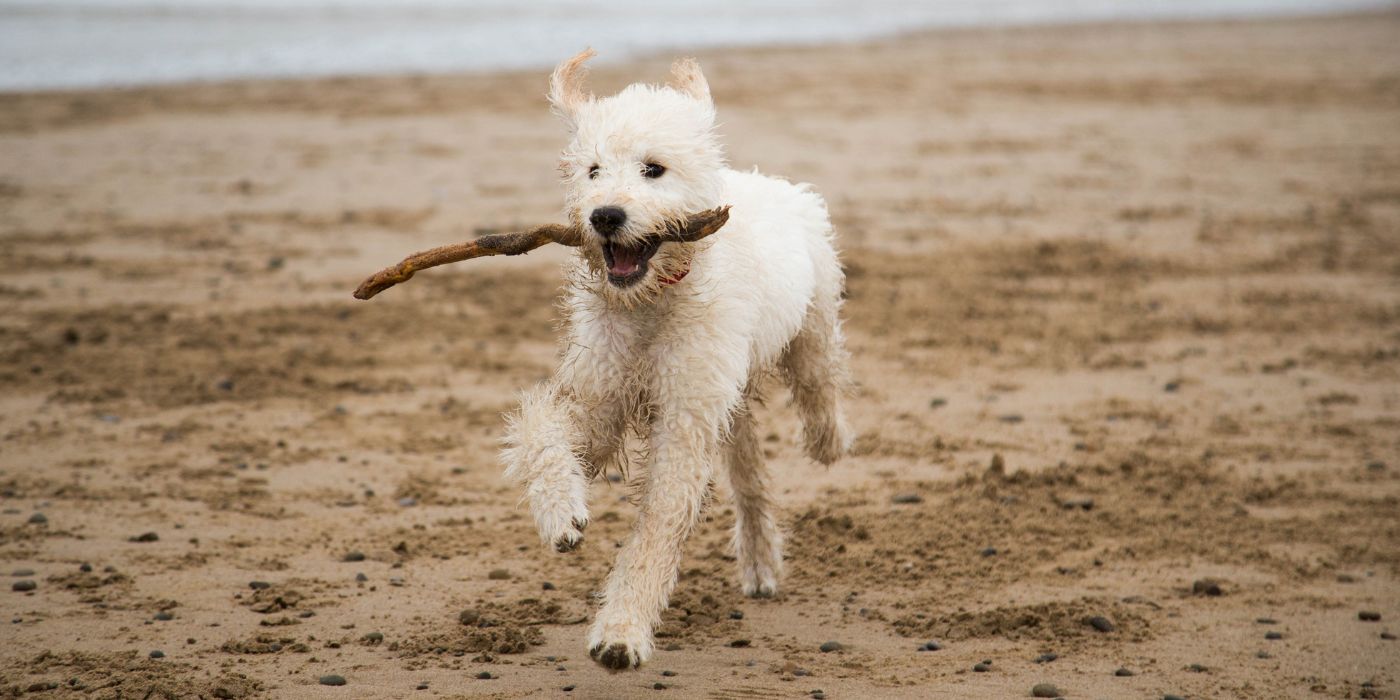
692 412
542 448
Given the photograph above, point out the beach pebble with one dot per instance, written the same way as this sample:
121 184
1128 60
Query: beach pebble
1172 697
361 577
1376 466
1045 690
1266 621
818 695
906 498
658 686
828 647
468 617
164 616
742 643
1011 418
1046 658
408 502
146 537
547 586
421 686
157 654
568 689
259 585
498 575
989 551
1100 623
930 646
982 667
736 614
1368 616
1388 636
1261 654
38 519
332 679
85 567
354 556
396 581
1206 587
1123 673
1077 503
669 674
24 586
1273 635
484 675
937 402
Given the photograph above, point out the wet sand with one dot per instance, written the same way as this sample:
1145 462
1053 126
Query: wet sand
1124 306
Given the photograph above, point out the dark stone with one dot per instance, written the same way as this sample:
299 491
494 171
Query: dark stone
828 647
669 674
1123 673
146 537
658 686
1266 621
85 568
259 585
982 667
1273 635
930 646
1046 658
547 586
1207 587
38 519
164 616
989 552
743 643
736 614
1100 623
484 675
937 402
498 575
24 586
1045 690
157 654
1368 616
568 689
353 556
361 577
333 679
906 498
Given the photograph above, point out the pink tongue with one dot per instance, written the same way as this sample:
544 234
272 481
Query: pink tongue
625 262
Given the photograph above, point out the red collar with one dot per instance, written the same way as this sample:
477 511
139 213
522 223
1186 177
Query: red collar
668 281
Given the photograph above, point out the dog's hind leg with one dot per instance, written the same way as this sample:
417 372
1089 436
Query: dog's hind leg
814 365
758 543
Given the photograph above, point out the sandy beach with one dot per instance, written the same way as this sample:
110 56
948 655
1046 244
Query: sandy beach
1124 310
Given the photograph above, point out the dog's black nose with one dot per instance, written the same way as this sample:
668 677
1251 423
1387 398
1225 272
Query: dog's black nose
607 220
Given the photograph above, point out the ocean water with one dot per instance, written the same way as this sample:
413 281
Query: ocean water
51 44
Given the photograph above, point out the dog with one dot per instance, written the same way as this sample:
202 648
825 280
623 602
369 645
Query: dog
671 341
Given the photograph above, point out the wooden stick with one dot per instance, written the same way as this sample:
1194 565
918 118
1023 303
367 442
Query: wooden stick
689 230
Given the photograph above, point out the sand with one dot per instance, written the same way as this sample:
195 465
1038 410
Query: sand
1124 306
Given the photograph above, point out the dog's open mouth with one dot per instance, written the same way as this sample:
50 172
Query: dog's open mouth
628 264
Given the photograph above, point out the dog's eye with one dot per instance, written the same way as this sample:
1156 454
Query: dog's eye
653 170
593 173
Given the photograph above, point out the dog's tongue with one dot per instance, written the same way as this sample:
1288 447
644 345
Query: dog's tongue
624 261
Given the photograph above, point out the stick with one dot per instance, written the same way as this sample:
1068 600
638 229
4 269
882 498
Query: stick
691 229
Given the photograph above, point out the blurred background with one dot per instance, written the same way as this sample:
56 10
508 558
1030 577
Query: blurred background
88 43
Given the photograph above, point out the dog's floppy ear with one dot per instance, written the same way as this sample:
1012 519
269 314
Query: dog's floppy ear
566 91
687 79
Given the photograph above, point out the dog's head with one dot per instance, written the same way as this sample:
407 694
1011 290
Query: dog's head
636 161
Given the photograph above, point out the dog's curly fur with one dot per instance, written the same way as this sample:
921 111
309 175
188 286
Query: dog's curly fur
677 363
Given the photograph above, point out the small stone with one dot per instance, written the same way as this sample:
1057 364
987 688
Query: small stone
259 585
1011 418
1045 690
1197 668
568 689
1261 654
24 586
1077 503
1368 616
85 568
1046 658
906 498
146 537
396 581
1171 387
1172 697
669 674
333 679
547 586
828 647
1273 635
744 643
930 646
361 577
469 617
1206 587
353 556
373 638
1100 623
982 667
658 686
484 675
989 551
736 614
422 686
38 519
1123 673
1266 621
164 616
1388 636
408 502
937 402
157 654
818 695
498 575
1376 466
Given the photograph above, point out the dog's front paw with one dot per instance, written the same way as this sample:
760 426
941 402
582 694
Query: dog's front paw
561 514
619 647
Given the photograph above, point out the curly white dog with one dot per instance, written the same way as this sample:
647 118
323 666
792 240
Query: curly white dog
671 341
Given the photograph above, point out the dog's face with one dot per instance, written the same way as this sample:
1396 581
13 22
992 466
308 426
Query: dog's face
636 161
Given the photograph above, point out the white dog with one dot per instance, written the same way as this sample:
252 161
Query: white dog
671 341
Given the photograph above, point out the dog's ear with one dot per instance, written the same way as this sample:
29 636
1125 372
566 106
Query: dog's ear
566 91
687 79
